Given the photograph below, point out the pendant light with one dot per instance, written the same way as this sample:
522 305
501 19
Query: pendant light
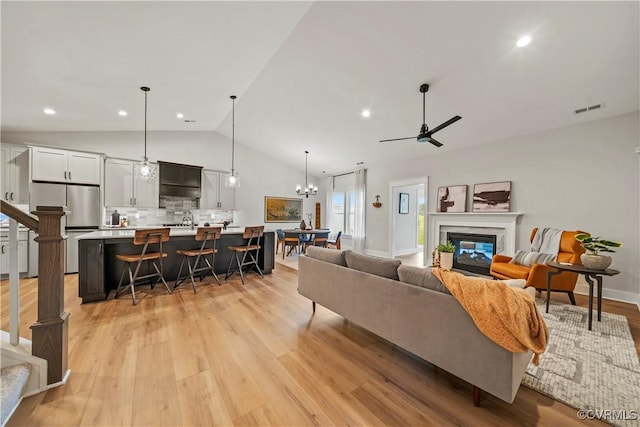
145 170
308 187
232 180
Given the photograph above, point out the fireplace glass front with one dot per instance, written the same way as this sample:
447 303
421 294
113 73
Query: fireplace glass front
473 251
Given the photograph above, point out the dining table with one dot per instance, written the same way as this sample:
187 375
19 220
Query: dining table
309 233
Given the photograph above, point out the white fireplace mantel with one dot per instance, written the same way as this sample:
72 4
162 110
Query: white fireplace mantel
503 220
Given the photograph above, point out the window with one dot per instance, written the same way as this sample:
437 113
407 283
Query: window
343 211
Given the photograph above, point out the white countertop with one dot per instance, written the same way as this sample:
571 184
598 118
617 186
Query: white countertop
127 233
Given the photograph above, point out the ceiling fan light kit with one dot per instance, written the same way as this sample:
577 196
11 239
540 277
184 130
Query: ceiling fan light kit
145 170
425 134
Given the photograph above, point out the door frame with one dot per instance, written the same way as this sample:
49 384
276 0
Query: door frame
400 183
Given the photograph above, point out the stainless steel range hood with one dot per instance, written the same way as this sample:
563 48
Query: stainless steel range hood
180 182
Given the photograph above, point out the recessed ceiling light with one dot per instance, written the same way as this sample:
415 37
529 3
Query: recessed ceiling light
366 113
49 111
122 113
180 116
360 163
523 41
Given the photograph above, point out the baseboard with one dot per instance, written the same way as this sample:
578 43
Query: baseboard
611 294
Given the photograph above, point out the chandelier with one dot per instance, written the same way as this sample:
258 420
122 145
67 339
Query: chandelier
308 187
232 180
145 170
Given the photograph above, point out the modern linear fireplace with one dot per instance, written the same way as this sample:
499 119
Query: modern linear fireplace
473 251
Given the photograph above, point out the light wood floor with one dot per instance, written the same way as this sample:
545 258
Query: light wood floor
254 355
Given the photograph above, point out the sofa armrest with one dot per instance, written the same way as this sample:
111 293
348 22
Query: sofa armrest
565 281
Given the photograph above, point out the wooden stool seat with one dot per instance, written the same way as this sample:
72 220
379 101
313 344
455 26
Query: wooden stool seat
195 252
204 235
144 237
145 257
252 235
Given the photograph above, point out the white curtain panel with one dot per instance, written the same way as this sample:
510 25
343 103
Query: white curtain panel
359 217
328 187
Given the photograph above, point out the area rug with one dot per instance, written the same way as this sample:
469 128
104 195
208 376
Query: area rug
597 372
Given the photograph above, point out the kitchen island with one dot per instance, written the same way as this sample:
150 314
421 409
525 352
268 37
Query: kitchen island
99 271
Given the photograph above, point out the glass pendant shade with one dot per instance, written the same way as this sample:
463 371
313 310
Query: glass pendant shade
145 170
232 180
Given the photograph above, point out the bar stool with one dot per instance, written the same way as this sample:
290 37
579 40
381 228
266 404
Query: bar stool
204 235
252 236
144 237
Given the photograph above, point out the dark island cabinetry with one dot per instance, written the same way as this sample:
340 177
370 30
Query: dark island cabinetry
99 270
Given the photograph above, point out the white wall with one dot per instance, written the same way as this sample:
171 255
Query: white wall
579 177
260 175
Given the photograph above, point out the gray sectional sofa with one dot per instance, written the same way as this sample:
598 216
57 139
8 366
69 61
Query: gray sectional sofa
409 307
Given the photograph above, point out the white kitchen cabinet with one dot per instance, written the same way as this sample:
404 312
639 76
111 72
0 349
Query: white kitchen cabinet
122 188
15 173
23 253
214 194
75 167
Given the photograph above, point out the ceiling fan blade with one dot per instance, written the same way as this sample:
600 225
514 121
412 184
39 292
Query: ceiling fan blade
434 142
397 139
444 125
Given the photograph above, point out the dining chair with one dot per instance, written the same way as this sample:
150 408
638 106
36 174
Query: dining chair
291 241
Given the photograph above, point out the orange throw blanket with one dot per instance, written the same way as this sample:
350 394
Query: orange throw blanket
507 316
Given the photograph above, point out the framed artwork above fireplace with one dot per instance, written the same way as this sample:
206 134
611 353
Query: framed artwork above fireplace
492 197
452 199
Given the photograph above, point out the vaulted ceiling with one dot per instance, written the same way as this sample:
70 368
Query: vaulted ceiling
303 72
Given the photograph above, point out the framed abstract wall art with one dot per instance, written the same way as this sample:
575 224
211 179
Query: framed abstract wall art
452 199
404 203
492 197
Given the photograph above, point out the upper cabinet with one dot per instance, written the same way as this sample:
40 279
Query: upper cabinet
52 164
215 195
122 188
15 173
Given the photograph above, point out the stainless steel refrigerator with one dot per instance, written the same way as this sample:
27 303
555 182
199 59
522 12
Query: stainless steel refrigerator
83 216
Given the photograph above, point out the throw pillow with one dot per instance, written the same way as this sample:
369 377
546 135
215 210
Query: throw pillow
383 267
529 258
422 277
327 255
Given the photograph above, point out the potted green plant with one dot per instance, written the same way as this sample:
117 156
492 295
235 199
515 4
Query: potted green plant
446 251
594 245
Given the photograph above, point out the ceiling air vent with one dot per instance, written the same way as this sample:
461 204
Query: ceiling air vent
589 108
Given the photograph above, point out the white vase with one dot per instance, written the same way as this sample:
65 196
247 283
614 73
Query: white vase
595 262
446 260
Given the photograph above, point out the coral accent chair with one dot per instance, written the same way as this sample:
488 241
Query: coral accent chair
536 275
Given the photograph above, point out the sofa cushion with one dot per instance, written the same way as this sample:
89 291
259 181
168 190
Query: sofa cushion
383 267
327 255
529 258
421 277
507 269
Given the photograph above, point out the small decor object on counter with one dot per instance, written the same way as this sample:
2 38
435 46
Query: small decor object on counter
595 245
377 203
115 217
446 251
123 221
225 224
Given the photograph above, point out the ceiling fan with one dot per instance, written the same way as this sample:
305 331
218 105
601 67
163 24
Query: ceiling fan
425 133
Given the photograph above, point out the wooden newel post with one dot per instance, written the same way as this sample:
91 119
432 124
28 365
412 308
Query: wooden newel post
49 333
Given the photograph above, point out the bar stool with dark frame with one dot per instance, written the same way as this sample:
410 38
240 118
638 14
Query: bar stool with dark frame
252 235
144 237
204 235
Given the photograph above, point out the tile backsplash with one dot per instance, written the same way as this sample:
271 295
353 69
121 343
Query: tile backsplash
146 217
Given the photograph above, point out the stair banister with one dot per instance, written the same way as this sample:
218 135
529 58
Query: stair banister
14 284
